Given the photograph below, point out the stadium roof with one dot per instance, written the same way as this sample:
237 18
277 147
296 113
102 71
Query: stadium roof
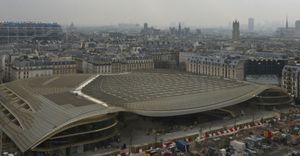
35 109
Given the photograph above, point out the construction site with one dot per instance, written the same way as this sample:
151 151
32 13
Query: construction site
276 135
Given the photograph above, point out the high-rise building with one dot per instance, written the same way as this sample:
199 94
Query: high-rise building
251 24
297 24
145 26
236 30
287 23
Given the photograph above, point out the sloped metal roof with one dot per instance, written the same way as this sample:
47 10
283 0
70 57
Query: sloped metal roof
167 93
42 106
48 115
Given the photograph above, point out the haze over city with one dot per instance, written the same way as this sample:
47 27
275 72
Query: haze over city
204 13
149 77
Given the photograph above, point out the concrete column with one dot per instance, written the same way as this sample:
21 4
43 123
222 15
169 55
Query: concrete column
80 149
68 151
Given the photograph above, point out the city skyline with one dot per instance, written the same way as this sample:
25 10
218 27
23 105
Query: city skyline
204 13
149 77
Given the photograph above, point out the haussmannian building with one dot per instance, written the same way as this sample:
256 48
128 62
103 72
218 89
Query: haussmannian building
24 68
234 66
218 67
63 67
116 66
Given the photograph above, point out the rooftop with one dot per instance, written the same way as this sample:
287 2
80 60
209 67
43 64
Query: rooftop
35 109
165 93
32 110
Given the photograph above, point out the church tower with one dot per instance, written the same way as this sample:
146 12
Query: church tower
236 30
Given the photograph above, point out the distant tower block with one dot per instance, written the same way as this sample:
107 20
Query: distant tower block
251 24
287 23
236 30
179 28
145 26
297 24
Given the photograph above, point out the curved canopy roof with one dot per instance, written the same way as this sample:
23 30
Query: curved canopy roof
169 93
33 110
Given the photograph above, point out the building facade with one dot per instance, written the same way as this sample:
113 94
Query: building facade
168 59
63 66
24 67
28 68
11 31
297 24
290 80
217 67
234 66
115 66
251 25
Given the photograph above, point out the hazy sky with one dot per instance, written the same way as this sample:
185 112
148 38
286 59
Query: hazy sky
155 12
